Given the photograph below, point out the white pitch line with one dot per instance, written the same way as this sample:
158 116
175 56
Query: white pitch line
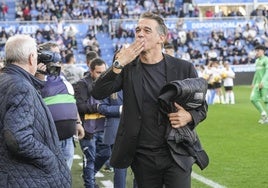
206 181
99 175
107 184
77 156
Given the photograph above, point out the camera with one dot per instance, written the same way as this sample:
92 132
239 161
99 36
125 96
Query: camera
50 59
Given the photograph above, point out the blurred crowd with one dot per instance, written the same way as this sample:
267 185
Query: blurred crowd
234 45
115 9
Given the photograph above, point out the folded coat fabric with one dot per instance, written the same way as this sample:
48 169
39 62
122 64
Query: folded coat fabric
190 94
184 141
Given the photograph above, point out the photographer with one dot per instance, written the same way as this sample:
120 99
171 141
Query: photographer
58 94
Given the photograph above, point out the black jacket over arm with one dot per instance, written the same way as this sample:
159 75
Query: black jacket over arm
130 81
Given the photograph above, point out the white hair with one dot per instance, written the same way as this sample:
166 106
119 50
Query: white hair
18 48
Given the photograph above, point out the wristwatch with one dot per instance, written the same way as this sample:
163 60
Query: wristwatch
116 64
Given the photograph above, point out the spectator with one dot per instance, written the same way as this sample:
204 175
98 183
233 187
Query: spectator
89 57
19 14
71 32
90 43
111 108
72 72
71 43
96 153
33 13
30 153
3 40
39 5
4 11
209 13
76 12
169 49
27 13
98 23
66 15
186 4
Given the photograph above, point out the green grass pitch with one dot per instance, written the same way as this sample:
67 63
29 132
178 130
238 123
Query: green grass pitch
236 144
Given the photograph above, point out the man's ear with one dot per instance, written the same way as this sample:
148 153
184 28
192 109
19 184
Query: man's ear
31 59
162 39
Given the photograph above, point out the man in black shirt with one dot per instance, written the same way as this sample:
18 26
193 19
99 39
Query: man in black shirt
141 70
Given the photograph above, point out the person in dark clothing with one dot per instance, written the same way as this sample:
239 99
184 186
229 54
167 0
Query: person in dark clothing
111 107
29 149
58 95
96 153
89 57
141 70
169 49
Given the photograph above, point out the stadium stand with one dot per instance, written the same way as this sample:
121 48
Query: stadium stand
110 23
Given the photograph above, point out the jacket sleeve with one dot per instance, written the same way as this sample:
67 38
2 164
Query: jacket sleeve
82 97
19 124
108 83
108 109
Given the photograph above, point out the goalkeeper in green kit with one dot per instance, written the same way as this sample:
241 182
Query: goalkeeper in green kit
259 91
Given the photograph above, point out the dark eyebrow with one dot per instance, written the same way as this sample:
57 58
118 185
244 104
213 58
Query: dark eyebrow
146 27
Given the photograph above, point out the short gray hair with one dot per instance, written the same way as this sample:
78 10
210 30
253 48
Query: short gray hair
18 48
162 28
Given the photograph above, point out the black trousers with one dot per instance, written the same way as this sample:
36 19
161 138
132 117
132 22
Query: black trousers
158 171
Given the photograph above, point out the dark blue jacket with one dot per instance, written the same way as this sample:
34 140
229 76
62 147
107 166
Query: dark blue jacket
58 95
30 156
110 108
